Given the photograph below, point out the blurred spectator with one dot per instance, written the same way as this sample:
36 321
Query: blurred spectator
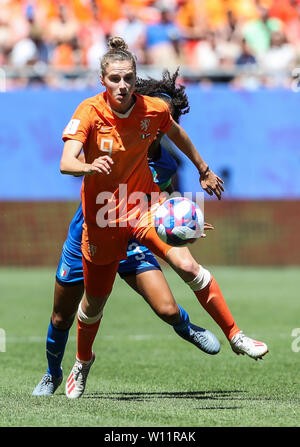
106 12
63 28
291 24
163 41
246 56
206 57
95 50
63 56
229 42
284 10
24 53
216 11
190 18
214 53
29 48
258 32
6 39
133 30
280 56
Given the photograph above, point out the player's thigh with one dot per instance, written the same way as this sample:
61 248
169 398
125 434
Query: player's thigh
179 258
69 286
140 265
99 279
153 287
67 299
182 261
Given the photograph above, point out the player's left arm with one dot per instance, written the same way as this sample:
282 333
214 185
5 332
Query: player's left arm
209 181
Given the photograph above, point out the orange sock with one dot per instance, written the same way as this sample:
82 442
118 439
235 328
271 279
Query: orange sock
212 300
86 334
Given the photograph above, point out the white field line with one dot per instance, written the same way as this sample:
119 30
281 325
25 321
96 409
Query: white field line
137 337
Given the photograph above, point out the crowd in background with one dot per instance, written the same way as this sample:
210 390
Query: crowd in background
246 42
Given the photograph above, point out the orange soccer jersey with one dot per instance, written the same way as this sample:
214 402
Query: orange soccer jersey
106 202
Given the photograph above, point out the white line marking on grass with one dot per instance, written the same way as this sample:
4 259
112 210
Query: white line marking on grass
136 337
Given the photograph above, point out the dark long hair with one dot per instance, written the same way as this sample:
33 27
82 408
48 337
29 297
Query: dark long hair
166 89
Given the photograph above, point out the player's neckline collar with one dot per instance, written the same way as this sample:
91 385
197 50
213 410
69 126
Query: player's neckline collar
126 114
118 114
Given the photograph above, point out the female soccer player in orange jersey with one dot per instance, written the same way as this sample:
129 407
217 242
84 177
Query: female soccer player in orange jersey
140 270
122 125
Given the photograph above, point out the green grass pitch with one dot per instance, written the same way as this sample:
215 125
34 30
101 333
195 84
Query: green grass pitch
144 374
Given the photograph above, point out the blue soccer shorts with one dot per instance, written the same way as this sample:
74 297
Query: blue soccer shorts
70 270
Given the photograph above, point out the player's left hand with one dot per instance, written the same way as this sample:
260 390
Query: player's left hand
212 184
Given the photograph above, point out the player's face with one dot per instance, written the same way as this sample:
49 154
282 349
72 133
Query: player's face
119 81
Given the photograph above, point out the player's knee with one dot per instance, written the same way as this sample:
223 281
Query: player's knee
168 312
201 280
187 268
61 321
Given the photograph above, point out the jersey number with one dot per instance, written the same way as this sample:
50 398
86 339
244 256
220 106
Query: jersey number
136 249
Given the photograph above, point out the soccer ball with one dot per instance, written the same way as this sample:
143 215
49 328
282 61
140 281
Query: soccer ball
179 221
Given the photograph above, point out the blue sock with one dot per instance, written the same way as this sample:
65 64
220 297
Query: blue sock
55 348
184 324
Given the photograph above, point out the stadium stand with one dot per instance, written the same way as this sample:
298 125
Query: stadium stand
58 43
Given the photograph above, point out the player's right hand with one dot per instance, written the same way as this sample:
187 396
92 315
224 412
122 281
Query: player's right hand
101 165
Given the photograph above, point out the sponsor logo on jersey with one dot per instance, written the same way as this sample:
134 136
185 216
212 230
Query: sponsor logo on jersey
106 129
106 145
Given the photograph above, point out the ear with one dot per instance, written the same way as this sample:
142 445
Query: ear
101 79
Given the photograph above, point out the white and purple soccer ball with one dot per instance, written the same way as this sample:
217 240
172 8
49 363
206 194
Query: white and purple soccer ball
179 221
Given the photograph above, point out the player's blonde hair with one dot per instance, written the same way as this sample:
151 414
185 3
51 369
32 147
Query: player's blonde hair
117 51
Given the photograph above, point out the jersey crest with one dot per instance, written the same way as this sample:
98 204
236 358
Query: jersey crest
92 249
145 124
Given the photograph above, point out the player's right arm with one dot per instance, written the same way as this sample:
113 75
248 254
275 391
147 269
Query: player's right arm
71 164
75 136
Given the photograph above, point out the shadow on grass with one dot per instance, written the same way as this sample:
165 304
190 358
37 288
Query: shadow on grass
194 395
